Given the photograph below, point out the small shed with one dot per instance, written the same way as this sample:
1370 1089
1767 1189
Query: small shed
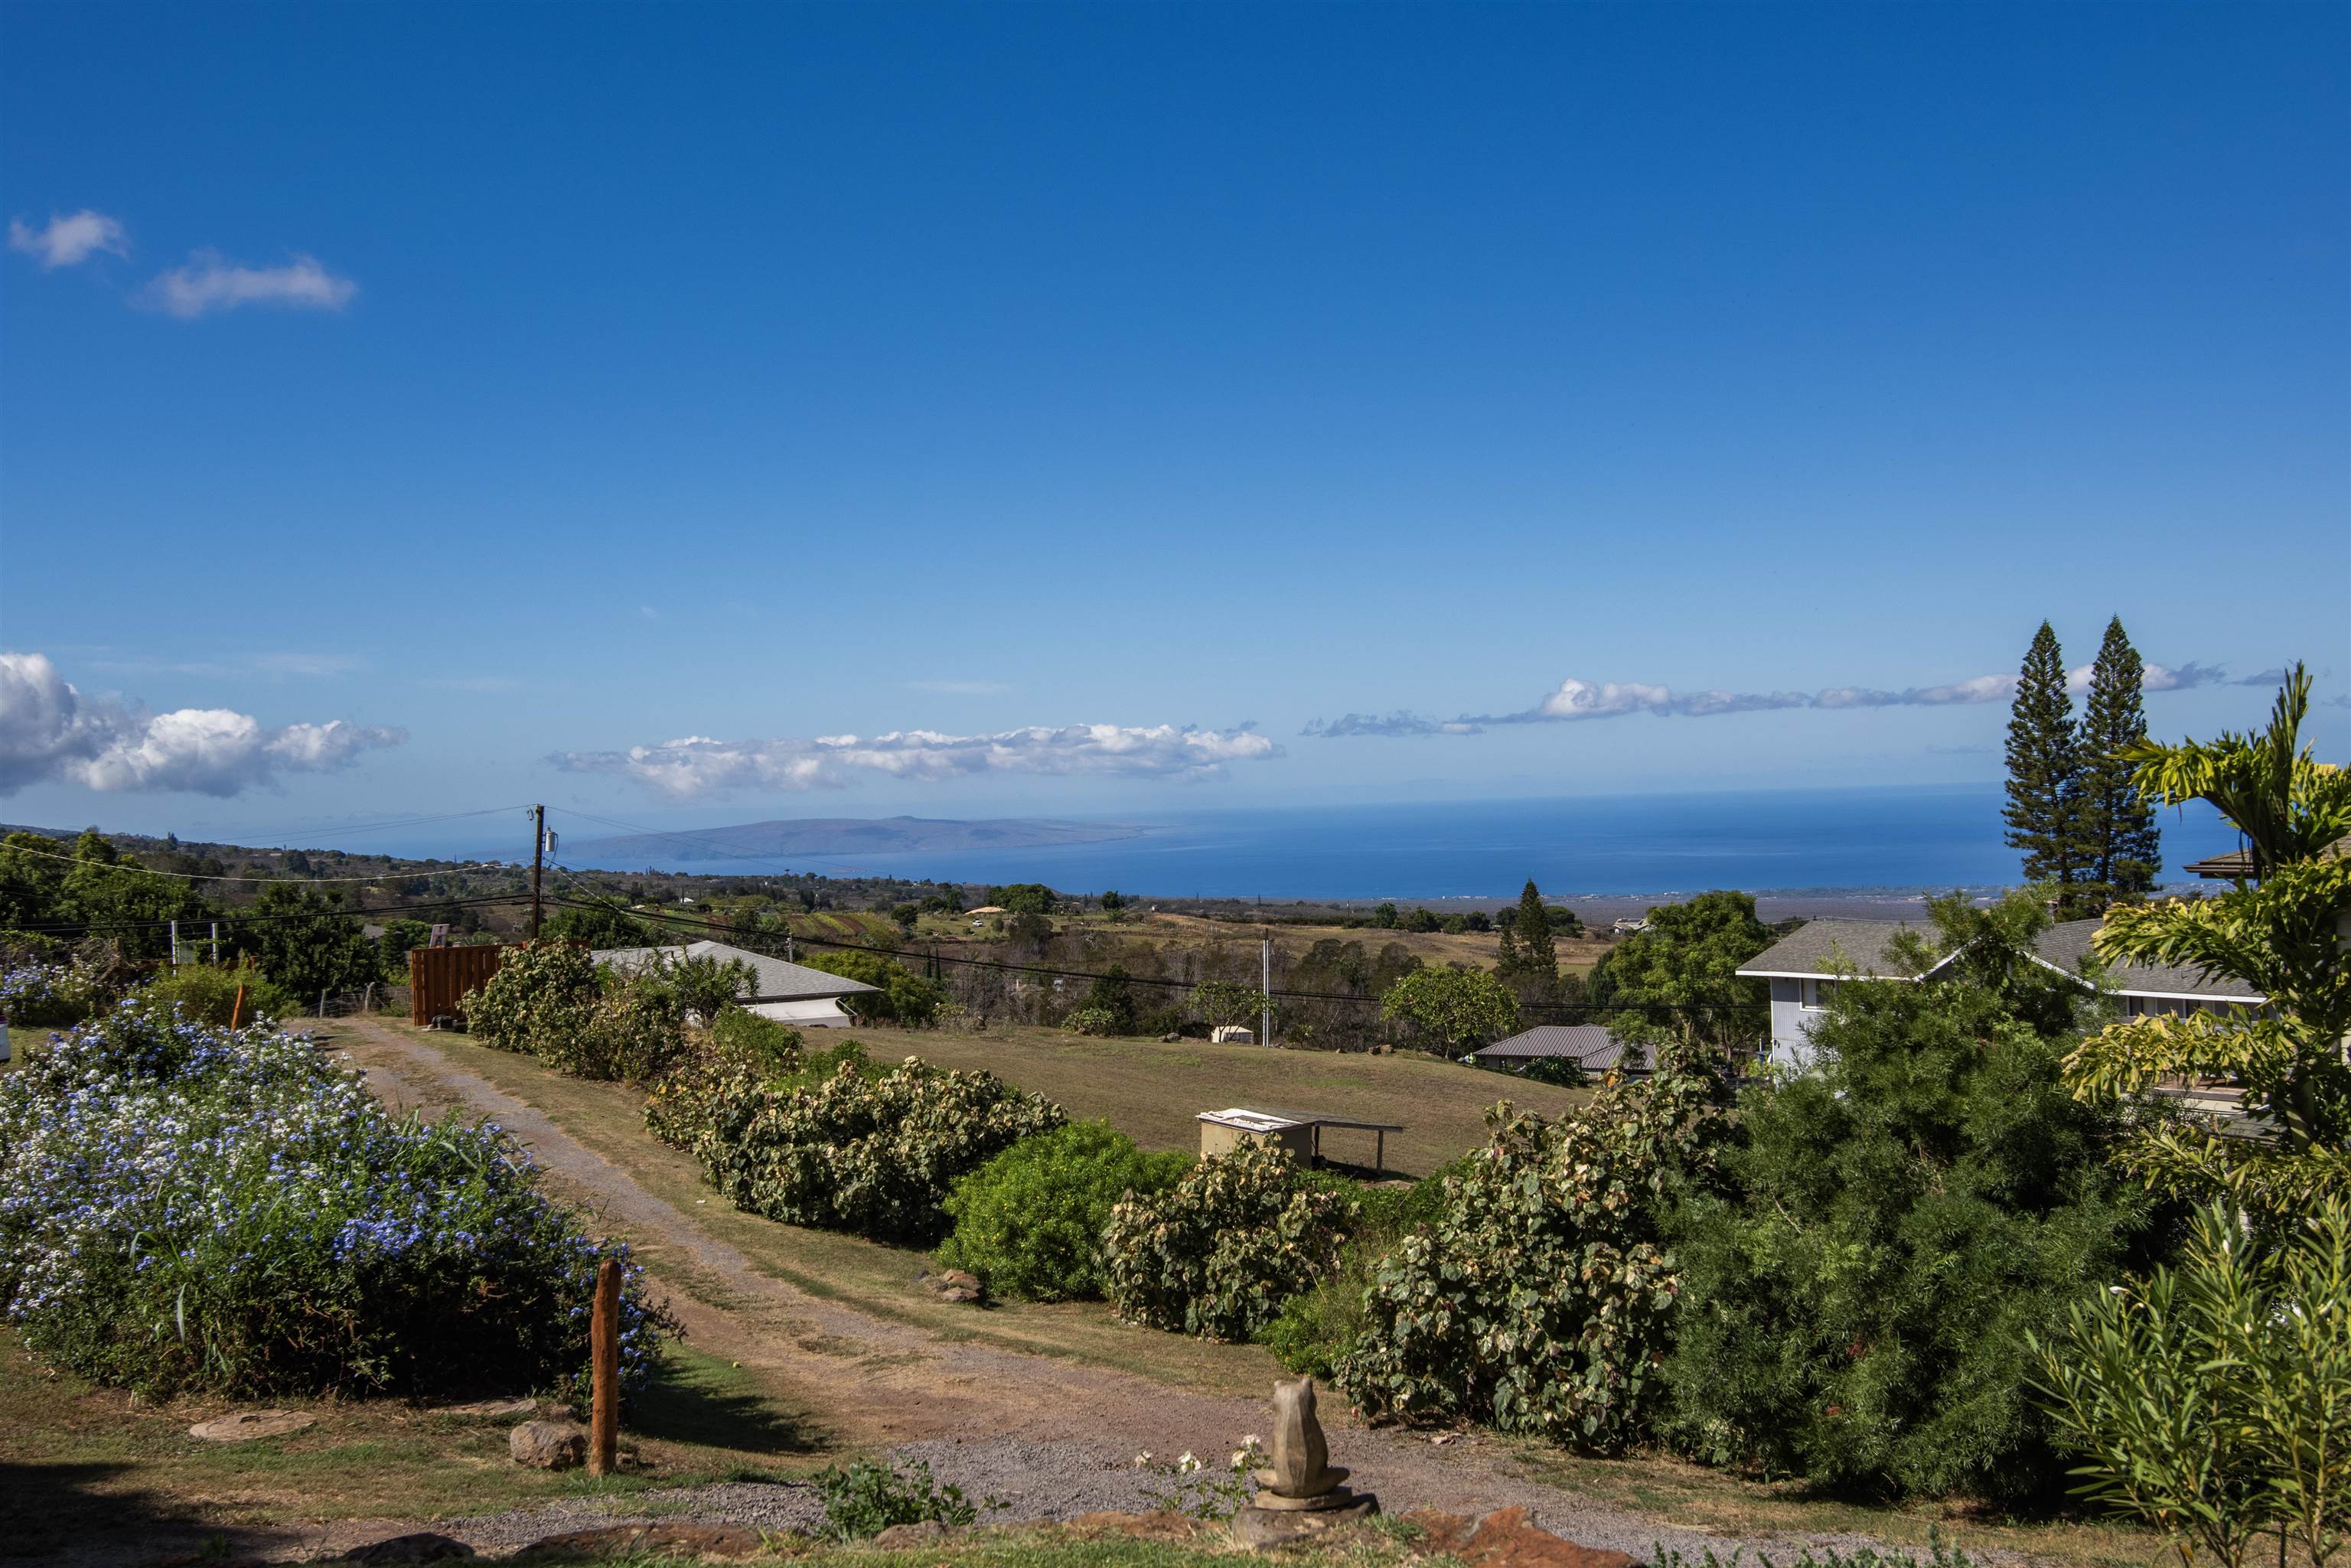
1588 1045
1298 1132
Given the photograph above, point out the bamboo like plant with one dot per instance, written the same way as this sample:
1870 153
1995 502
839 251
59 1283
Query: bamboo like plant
2214 1401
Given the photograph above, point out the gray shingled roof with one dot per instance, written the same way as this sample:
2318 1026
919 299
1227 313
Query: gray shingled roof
1859 947
1588 1043
2067 945
1833 947
776 981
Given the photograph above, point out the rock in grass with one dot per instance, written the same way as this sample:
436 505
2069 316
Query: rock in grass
548 1445
421 1547
247 1424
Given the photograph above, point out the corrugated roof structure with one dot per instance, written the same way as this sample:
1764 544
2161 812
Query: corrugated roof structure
1587 1044
775 981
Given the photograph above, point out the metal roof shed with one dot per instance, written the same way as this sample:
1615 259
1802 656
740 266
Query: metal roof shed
1299 1131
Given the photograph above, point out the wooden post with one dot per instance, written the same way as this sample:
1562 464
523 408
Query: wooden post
236 1008
604 1371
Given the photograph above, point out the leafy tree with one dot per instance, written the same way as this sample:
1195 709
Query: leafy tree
1420 919
598 929
2280 933
1477 920
2118 831
902 995
1679 978
1854 1305
308 943
1112 993
1023 898
399 938
1384 917
2045 772
1112 902
905 914
32 883
1223 1002
1459 1009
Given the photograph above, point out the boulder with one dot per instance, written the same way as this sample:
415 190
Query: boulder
954 1285
247 1424
421 1547
1506 1538
633 1539
548 1445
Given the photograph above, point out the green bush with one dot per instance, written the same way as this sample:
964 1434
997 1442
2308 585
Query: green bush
188 1207
1320 1326
871 1496
756 1039
538 1002
873 1153
1217 1254
2213 1402
1540 1299
1097 1021
1029 1222
1856 1302
207 993
635 1032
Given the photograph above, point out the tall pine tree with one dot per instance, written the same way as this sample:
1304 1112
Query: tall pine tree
1535 976
2124 846
2045 774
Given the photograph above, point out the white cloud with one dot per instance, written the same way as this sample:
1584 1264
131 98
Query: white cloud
51 733
1578 700
697 766
69 241
210 282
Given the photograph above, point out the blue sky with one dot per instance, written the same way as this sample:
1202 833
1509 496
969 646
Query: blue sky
441 403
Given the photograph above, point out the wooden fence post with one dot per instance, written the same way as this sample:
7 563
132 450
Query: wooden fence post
604 1367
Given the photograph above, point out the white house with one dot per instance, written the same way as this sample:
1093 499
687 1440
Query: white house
789 993
1806 967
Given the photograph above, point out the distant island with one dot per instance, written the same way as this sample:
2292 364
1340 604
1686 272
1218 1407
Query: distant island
844 836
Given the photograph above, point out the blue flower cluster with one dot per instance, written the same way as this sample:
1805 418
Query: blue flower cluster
188 1207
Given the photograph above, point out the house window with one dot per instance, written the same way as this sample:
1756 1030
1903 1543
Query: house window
1813 995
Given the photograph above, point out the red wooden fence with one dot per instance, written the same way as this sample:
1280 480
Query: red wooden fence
439 977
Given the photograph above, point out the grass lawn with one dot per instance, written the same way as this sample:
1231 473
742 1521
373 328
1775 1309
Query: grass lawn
82 1462
1153 1092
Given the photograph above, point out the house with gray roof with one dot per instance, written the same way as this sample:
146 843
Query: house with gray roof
1588 1045
787 992
1806 967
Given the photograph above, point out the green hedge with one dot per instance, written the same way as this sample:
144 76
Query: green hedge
1029 1222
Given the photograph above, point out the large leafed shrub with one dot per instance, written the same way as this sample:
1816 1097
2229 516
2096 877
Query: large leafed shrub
539 1000
873 1153
1029 1222
221 993
1893 1228
1217 1254
1540 1298
186 1207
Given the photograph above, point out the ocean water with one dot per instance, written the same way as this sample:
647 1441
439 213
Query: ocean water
1632 845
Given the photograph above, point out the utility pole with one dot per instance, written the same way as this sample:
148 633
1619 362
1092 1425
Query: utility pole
215 944
538 852
1265 974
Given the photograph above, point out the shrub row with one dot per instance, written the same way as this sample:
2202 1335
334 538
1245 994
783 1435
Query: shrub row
1219 1252
1029 1222
870 1152
183 1206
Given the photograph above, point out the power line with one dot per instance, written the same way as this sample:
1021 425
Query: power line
737 936
206 876
396 911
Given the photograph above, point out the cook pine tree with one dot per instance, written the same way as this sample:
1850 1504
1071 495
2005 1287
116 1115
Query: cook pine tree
2123 846
2044 776
1529 959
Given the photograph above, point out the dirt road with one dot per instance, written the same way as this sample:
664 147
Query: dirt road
1052 1436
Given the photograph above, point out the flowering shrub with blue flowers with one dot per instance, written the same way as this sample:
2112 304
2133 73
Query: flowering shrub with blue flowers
49 995
186 1206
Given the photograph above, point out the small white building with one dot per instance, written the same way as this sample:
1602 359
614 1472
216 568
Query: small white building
1806 967
788 992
